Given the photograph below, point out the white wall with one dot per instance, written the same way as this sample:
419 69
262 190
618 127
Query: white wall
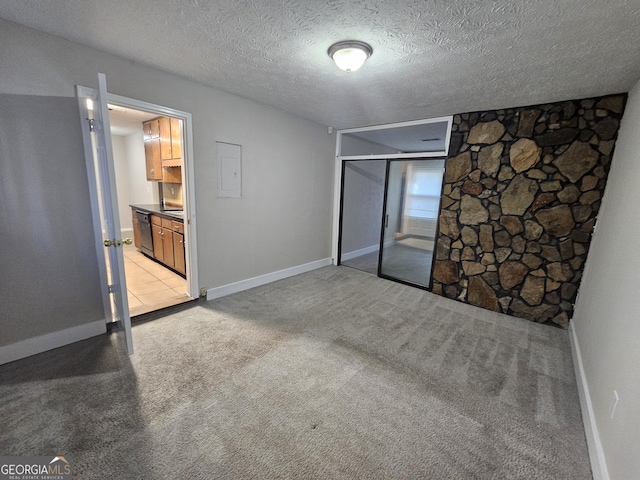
122 181
284 219
606 322
141 190
131 176
49 281
362 205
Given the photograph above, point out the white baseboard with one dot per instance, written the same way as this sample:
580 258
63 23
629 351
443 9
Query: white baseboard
242 285
358 253
596 453
32 346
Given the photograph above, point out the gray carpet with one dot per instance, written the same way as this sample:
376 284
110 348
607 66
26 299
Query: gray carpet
331 374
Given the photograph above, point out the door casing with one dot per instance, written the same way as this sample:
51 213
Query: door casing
188 180
338 176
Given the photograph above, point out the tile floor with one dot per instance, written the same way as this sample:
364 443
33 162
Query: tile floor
150 286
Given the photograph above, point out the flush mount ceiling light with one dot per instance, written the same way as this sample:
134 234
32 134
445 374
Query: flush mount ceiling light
350 55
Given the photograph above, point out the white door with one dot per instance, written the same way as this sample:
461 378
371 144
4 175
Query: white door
96 135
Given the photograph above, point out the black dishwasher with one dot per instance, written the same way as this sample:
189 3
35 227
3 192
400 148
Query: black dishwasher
146 238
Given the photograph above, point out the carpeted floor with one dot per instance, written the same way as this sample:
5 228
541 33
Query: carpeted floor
332 374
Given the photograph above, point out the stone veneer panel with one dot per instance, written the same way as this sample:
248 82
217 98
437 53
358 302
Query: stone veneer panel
521 193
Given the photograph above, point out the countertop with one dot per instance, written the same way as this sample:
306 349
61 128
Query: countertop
160 210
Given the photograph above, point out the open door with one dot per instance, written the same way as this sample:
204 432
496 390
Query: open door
96 135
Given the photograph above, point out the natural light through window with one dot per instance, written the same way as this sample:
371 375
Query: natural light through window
423 191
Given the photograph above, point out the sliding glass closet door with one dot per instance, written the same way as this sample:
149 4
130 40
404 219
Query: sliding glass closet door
411 204
362 199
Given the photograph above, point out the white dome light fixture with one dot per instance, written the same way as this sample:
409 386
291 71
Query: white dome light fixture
350 55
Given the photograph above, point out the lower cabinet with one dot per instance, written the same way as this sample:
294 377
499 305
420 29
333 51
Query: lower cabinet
178 247
156 233
168 242
136 229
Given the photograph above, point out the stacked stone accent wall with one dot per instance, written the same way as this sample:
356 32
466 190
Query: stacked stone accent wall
521 193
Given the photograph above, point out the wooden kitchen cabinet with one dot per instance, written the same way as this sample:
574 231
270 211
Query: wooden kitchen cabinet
168 242
172 174
151 129
153 161
176 139
158 250
163 149
170 142
156 233
178 247
136 229
151 135
165 138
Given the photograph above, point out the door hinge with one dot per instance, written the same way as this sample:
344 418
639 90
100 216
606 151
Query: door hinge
111 288
92 126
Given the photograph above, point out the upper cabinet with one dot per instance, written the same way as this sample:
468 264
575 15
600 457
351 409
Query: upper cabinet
151 129
151 133
170 142
163 149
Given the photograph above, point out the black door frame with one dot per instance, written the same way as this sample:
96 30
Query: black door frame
388 161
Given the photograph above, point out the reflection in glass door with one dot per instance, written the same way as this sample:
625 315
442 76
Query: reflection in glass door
362 198
412 202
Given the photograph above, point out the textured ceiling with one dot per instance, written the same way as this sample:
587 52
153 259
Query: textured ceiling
430 57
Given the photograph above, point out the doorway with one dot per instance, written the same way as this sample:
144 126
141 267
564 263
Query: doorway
389 183
93 107
154 278
389 217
